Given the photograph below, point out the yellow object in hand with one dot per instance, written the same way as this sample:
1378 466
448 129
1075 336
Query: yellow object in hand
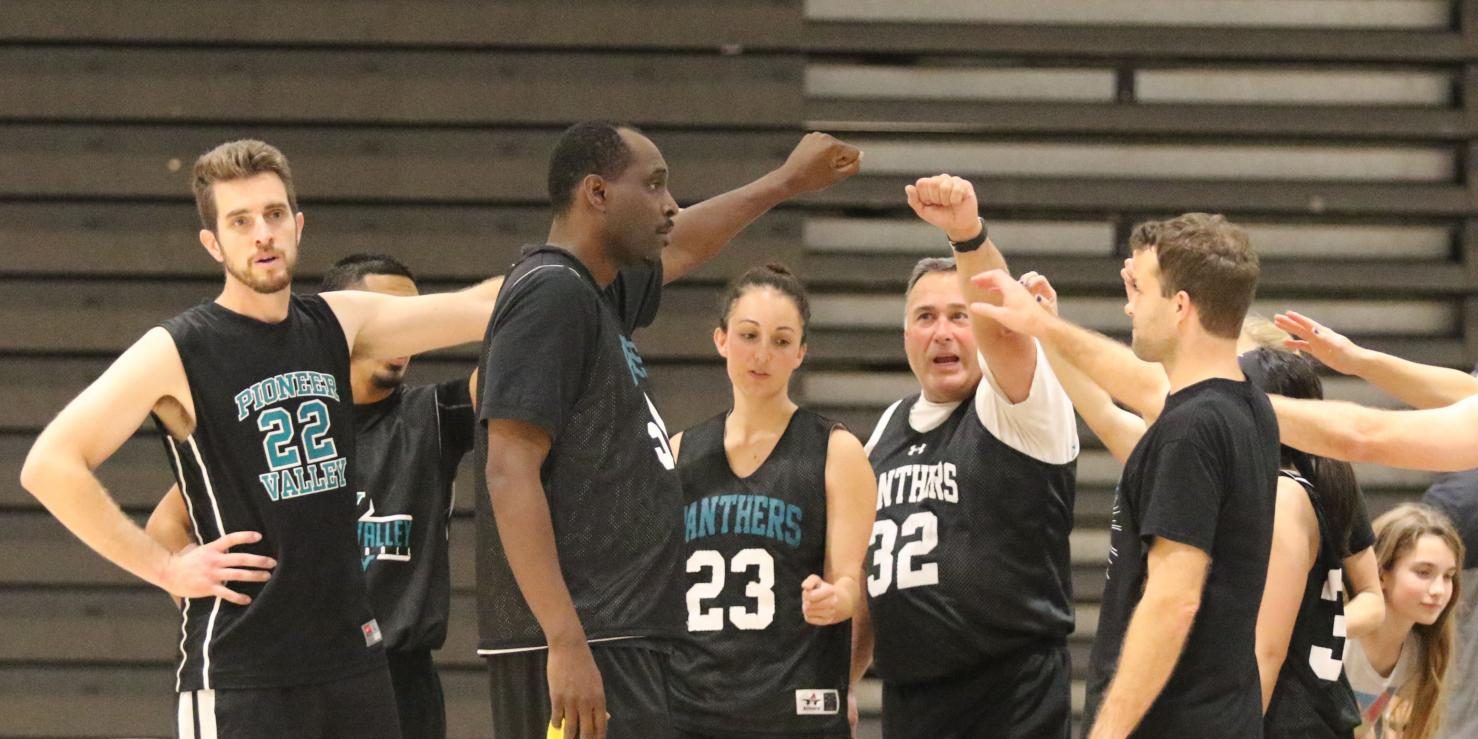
556 732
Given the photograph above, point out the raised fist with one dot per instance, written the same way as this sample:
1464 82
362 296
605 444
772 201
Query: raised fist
947 203
819 161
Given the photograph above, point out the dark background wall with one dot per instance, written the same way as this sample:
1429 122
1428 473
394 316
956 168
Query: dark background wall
1339 131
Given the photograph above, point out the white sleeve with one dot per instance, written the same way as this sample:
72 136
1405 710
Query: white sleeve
1042 426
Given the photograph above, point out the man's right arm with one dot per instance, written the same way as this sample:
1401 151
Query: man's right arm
59 472
516 451
1417 385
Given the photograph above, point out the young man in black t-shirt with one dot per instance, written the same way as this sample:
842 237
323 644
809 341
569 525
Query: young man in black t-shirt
410 441
1193 514
578 535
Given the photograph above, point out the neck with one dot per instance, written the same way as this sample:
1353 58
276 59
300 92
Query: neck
758 415
366 391
267 307
566 233
1201 357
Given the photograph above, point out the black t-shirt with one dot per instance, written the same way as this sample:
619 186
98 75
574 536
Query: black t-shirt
273 451
559 355
750 662
409 447
1205 474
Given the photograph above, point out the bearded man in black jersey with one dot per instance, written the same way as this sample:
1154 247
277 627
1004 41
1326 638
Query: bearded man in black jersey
1193 513
250 392
969 574
580 533
410 441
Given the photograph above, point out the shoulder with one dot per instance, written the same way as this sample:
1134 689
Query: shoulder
843 446
545 273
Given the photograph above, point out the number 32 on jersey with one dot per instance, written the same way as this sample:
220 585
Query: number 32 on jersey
918 534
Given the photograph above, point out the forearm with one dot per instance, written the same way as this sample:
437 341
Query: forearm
862 642
1155 639
1118 429
521 514
1269 665
1364 614
72 494
1417 385
1011 356
1112 366
701 231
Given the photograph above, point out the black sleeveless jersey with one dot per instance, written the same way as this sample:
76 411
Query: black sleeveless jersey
1312 698
409 447
969 555
750 661
558 355
273 452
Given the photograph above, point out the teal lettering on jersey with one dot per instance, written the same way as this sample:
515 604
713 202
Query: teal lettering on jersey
633 361
753 515
283 387
385 537
306 479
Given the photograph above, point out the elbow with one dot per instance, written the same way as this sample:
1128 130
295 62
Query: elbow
1180 611
37 471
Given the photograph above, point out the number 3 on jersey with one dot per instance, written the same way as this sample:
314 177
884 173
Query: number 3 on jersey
761 589
911 574
658 431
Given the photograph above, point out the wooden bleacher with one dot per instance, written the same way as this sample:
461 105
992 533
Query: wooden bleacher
1338 130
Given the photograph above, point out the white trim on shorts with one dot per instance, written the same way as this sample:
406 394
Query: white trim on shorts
540 648
197 707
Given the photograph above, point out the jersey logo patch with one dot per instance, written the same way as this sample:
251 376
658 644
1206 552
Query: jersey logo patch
383 537
916 449
817 703
371 631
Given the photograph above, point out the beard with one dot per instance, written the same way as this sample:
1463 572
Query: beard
263 284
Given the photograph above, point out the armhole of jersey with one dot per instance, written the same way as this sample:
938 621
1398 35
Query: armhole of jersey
877 431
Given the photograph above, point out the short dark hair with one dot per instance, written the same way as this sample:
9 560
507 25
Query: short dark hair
929 265
591 147
772 275
352 270
1208 257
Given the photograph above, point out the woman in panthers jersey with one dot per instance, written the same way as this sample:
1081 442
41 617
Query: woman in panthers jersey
777 506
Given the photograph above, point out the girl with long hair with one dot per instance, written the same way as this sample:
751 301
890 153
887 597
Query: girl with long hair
1399 671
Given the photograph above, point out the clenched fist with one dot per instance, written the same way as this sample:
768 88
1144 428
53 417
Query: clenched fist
947 203
819 161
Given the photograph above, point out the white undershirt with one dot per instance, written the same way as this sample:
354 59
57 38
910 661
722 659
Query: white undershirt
1041 426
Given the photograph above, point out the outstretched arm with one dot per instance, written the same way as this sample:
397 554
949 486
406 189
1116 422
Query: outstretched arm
1439 440
700 232
384 326
1138 384
1417 385
1118 429
59 472
949 204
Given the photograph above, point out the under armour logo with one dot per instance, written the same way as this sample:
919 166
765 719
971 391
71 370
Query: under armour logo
916 449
